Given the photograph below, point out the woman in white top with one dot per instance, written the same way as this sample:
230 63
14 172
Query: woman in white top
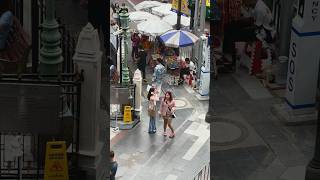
152 110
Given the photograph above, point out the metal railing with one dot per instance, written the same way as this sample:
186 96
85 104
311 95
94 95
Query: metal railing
204 173
30 164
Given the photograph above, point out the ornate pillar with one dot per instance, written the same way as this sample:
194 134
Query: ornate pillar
92 148
124 21
50 53
137 80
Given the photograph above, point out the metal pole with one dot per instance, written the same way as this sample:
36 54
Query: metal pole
178 27
192 8
285 27
202 15
196 15
120 46
210 114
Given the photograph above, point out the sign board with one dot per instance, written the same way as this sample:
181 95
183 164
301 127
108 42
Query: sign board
30 108
184 7
303 65
127 115
56 165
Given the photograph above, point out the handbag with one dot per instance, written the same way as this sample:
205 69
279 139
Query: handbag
173 115
152 110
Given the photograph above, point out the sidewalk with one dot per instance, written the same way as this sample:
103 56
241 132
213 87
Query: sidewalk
142 156
249 142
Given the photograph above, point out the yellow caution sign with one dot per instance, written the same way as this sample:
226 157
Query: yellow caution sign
56 165
127 115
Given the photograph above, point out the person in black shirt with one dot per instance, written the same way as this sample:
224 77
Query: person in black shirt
113 167
142 63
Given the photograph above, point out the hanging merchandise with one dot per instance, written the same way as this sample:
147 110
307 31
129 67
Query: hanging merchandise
184 7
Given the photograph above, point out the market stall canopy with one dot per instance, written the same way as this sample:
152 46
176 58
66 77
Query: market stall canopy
163 10
142 16
147 4
178 38
172 20
153 28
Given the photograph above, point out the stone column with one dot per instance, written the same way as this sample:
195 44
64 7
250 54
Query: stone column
27 20
286 14
137 80
284 35
202 15
88 58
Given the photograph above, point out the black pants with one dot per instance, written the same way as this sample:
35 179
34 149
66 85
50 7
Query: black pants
236 31
134 52
142 68
184 71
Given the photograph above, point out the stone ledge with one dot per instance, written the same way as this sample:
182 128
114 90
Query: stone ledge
124 126
202 98
294 117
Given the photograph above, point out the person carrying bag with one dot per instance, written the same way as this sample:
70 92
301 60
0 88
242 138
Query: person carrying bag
167 111
152 110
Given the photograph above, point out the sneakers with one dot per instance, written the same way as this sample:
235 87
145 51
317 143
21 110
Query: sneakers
164 134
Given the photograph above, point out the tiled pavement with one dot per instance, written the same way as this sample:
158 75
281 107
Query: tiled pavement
143 156
271 150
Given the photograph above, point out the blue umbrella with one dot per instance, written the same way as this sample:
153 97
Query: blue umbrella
178 38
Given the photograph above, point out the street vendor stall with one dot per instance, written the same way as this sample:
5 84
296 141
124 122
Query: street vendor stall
176 39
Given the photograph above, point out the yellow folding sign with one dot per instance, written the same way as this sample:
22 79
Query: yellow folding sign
56 164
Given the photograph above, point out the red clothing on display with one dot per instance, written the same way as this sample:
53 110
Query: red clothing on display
230 10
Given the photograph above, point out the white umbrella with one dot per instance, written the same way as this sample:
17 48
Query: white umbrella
147 4
163 10
172 20
154 28
141 16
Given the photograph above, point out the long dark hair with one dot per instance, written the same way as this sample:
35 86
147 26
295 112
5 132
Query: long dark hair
170 94
150 93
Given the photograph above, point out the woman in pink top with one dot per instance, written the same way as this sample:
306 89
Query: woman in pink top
167 109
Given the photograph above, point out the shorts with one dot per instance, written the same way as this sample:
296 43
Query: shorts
168 118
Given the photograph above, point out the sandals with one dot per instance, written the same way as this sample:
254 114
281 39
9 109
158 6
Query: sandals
172 135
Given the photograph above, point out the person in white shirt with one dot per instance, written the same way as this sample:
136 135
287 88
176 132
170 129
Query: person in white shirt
187 68
256 18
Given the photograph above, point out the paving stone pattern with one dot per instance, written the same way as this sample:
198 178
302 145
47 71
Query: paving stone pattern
274 152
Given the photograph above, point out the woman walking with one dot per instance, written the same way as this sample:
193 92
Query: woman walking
152 110
167 109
